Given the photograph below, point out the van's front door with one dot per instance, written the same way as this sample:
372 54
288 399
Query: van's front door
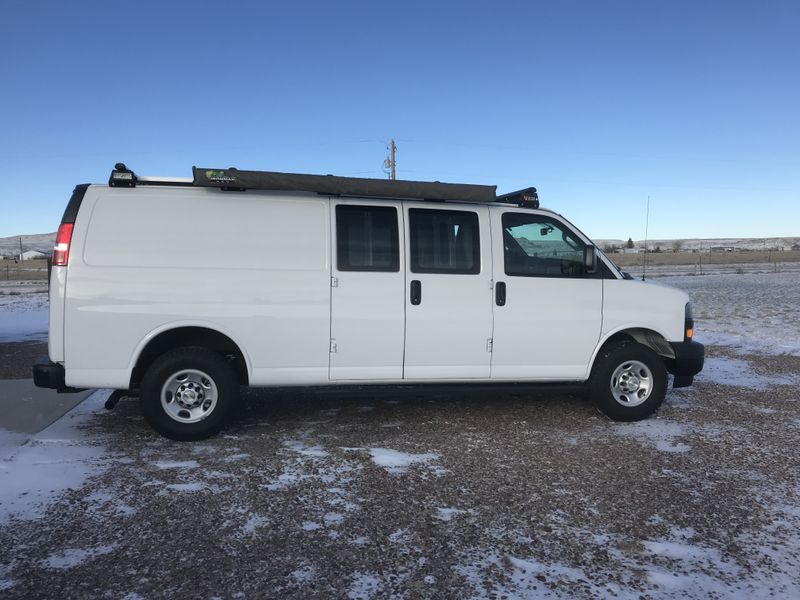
367 290
448 299
548 309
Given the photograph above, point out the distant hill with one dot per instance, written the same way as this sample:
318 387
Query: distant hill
43 242
705 244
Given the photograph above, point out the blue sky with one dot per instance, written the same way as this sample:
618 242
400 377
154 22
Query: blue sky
598 104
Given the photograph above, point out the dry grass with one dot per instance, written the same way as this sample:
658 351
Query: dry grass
705 258
26 270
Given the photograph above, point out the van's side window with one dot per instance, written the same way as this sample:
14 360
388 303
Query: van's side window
537 246
444 241
367 238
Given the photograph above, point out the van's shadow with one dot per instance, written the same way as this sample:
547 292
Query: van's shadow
286 409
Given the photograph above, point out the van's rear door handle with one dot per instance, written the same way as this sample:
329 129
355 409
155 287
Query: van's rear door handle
416 291
500 293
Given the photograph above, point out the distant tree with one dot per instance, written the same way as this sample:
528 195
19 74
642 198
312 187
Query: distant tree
658 249
677 245
629 244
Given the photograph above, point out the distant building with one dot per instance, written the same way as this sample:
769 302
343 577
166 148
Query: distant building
630 250
31 254
721 248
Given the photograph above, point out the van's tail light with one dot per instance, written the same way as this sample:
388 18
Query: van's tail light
61 249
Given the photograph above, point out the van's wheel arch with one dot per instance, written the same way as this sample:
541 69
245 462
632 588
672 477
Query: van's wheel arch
628 381
189 393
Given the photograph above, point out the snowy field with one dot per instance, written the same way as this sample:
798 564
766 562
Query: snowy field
420 495
23 312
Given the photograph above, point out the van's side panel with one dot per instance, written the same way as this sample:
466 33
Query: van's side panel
629 304
252 265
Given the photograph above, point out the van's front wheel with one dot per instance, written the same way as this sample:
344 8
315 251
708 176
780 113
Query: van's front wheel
629 381
188 393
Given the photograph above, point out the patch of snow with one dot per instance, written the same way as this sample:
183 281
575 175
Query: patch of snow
510 577
659 433
311 526
11 441
304 574
364 586
194 486
6 582
176 464
23 318
399 535
302 448
59 458
735 372
333 518
289 477
235 457
447 514
397 462
253 523
103 502
74 557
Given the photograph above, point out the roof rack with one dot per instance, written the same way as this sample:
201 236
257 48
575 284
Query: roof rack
235 180
528 198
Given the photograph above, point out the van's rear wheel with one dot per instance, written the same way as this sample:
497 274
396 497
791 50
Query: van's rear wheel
188 393
629 381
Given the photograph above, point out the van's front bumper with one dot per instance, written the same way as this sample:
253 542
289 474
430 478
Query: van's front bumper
50 375
688 362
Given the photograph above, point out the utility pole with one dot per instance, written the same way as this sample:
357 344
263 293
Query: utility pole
646 226
20 248
390 162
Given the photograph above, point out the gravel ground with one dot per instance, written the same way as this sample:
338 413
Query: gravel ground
407 495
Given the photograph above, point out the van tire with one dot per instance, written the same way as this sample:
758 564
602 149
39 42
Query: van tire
188 394
628 382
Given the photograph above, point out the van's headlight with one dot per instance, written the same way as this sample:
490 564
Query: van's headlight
688 323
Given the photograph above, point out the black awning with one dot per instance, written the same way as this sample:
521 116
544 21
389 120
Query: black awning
342 186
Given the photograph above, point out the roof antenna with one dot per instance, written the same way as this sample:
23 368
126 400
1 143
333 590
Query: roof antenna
646 225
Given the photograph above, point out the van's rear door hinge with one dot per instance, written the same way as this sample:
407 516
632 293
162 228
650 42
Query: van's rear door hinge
334 282
489 345
333 346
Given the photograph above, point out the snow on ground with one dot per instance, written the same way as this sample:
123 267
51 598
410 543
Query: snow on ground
36 469
529 499
737 372
23 317
754 313
398 462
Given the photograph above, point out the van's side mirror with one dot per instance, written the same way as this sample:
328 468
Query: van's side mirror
589 259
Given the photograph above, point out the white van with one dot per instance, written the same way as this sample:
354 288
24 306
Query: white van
183 290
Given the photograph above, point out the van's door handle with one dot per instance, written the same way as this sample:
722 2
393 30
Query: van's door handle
500 293
416 292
